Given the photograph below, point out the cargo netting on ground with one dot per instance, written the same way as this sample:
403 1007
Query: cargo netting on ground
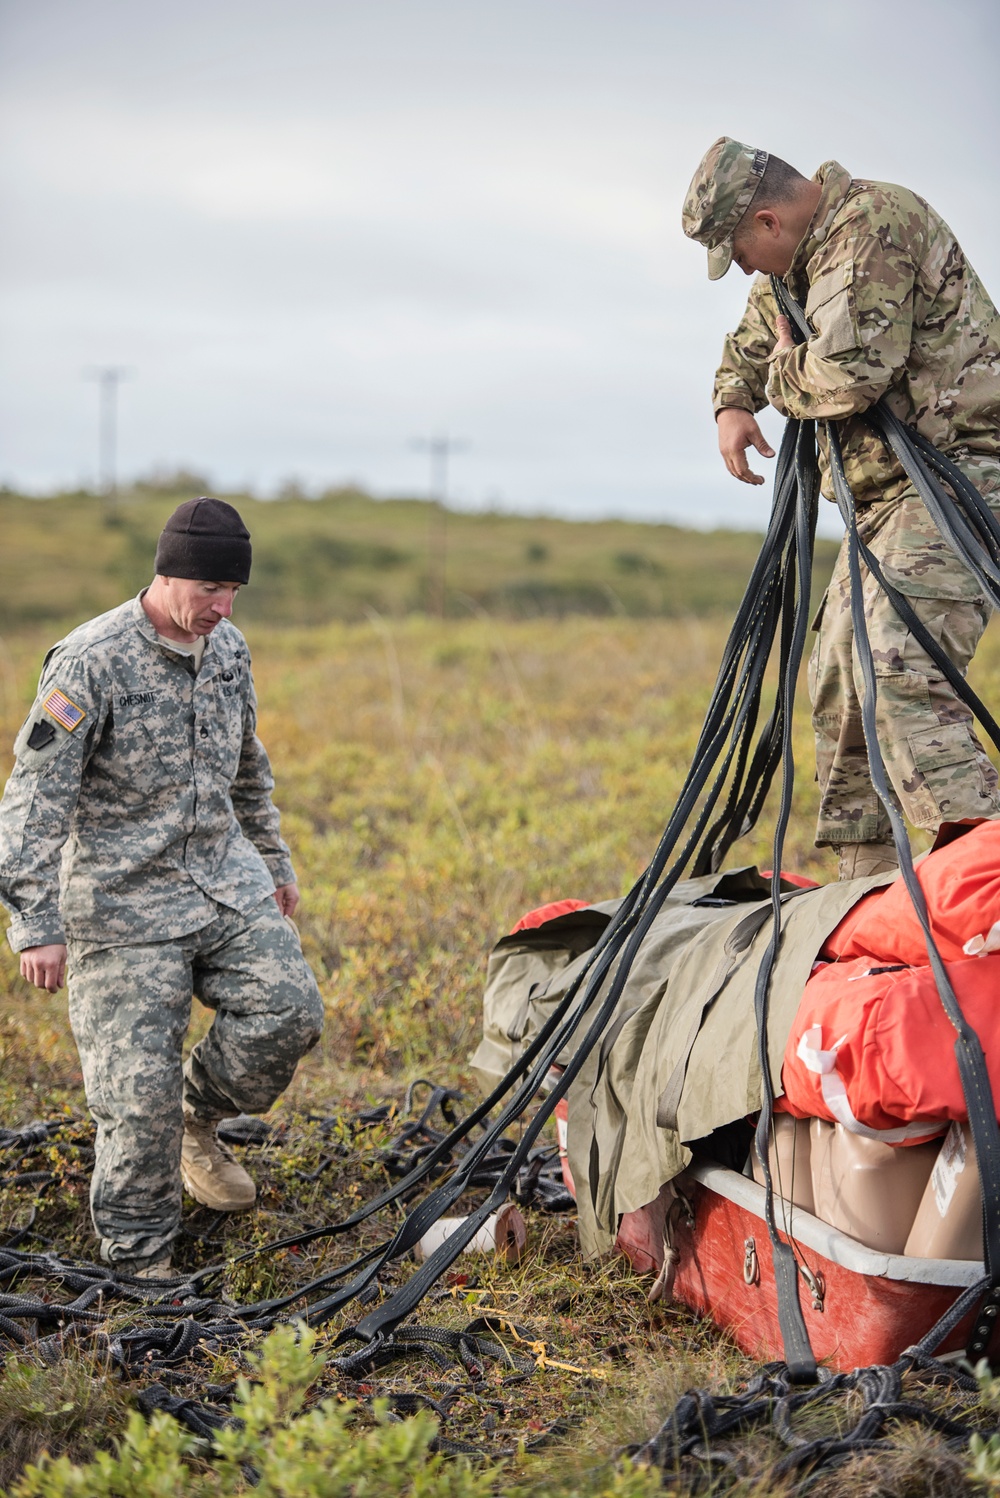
164 1335
164 1338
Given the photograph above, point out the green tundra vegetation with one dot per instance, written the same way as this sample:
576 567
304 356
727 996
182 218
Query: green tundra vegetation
344 554
438 776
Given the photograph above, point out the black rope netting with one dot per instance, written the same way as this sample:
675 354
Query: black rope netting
162 1333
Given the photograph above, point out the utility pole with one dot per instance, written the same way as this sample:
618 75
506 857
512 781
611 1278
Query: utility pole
440 449
108 377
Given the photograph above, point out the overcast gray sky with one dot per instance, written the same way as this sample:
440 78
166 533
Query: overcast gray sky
319 228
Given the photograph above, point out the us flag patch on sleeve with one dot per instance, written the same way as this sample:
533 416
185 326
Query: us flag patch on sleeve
58 706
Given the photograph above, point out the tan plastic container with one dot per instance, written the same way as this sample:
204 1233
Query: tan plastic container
869 1190
788 1158
949 1220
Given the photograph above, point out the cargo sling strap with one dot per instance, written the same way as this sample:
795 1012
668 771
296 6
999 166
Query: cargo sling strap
972 531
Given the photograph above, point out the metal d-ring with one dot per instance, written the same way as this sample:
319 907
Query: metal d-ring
817 1286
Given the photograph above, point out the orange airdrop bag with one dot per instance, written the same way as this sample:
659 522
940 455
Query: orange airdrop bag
961 884
873 1049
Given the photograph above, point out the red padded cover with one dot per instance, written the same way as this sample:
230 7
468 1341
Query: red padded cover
548 913
961 883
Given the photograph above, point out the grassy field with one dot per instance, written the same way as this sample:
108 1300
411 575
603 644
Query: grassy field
437 777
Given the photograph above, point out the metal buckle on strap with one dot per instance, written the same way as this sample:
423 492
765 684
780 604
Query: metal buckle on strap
985 1325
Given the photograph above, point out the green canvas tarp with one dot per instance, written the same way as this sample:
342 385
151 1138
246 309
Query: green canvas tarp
678 1059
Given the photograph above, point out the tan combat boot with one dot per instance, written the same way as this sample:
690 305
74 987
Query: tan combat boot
161 1270
144 1269
858 860
209 1171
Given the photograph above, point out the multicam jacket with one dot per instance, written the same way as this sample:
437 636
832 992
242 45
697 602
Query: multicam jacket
146 782
897 311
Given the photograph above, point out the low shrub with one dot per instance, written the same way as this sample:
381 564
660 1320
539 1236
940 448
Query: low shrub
276 1447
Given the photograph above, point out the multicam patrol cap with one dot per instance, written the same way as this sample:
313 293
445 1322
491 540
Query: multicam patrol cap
721 191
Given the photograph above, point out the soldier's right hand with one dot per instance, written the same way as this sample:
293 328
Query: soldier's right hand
45 967
738 430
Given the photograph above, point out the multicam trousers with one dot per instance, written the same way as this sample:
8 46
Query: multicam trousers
129 1008
936 765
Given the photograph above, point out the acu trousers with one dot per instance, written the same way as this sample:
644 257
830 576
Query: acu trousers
129 1008
936 765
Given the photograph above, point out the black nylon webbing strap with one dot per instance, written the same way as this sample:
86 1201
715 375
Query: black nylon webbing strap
968 1050
795 1338
973 533
774 608
927 642
737 691
966 522
727 733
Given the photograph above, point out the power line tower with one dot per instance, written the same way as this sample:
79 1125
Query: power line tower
440 449
108 377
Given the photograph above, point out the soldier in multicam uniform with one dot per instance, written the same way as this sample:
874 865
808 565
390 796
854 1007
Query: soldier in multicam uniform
139 771
897 312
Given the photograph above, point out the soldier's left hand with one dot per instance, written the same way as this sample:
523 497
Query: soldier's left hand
785 339
287 896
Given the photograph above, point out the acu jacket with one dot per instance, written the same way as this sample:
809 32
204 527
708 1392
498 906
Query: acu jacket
140 792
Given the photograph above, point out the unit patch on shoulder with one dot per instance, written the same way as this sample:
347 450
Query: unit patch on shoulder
58 706
41 736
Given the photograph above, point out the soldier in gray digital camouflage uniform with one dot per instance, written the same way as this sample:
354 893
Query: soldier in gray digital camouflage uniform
140 857
897 311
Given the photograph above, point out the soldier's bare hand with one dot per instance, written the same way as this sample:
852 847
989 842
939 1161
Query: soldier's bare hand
45 967
287 896
738 430
785 339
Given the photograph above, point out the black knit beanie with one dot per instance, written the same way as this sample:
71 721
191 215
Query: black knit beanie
206 539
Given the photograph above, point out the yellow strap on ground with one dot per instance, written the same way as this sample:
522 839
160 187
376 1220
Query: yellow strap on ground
462 1292
547 1362
542 1359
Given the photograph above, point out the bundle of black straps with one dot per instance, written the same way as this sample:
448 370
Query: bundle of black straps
738 755
795 1386
739 752
733 769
